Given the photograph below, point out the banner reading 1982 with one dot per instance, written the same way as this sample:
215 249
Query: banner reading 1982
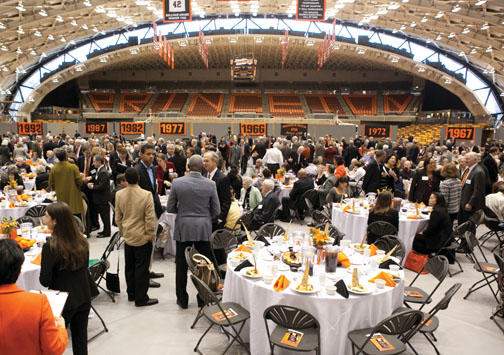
176 10
310 10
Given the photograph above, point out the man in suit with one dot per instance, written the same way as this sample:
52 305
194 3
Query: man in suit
136 219
372 178
194 199
223 185
264 212
26 314
295 199
260 147
473 188
100 186
148 173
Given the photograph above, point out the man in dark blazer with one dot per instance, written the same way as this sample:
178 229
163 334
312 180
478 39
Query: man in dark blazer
372 178
473 188
264 212
100 187
148 173
223 185
260 147
295 199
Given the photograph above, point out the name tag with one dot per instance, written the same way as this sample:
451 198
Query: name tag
170 170
425 178
468 181
93 171
260 207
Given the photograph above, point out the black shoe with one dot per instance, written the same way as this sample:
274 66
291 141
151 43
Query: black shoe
149 302
100 235
154 284
131 299
285 220
182 304
94 228
156 275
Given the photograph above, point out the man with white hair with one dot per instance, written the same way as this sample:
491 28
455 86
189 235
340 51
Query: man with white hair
264 212
273 158
473 188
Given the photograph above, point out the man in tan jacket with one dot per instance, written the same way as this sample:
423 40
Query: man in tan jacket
136 219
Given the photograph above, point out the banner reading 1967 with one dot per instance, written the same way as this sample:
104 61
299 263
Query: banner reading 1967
176 10
310 10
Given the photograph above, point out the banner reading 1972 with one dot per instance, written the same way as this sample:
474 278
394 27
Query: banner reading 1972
376 130
177 10
310 10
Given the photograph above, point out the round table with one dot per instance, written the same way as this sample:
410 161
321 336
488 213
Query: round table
169 246
337 316
355 226
20 211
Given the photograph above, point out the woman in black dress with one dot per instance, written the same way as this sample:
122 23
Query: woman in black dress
382 211
64 267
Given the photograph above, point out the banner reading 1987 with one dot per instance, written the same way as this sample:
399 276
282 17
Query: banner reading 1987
310 10
176 10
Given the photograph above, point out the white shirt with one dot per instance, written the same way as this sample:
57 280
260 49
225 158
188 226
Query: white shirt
358 175
212 173
496 203
273 156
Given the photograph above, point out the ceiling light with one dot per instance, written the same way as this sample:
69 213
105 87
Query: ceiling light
439 38
96 30
485 27
439 14
382 11
111 14
84 27
32 52
424 20
72 43
133 51
87 3
502 94
100 10
59 19
447 81
413 24
395 30
20 7
31 99
402 28
19 51
461 54
489 49
63 39
451 35
480 2
5 69
43 13
466 31
428 40
43 55
309 43
258 40
473 51
395 59
2 26
393 6
182 43
74 23
405 1
79 68
103 60
20 30
4 49
421 69
457 8
55 80
361 51
50 38
232 40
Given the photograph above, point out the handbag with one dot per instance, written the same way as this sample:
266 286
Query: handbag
112 280
205 271
415 262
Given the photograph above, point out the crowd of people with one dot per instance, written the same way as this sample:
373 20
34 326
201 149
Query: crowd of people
208 180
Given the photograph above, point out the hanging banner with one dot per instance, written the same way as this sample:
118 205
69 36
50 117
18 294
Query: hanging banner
172 128
93 127
376 130
176 10
132 127
253 129
29 128
310 10
460 133
287 129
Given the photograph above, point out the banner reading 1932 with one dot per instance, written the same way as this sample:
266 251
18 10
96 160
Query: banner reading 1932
299 129
177 10
310 10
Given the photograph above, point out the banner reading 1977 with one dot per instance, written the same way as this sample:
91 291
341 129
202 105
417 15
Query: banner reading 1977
310 10
177 10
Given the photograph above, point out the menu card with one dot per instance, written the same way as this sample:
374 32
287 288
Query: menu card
219 316
411 293
381 343
57 300
292 337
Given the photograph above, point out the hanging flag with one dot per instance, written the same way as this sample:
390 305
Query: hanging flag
173 59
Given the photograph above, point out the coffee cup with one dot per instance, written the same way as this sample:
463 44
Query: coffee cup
380 284
394 268
330 290
268 279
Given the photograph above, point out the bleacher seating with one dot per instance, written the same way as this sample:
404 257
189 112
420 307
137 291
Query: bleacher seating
169 102
207 105
325 104
102 101
361 104
133 102
428 133
245 103
396 104
285 105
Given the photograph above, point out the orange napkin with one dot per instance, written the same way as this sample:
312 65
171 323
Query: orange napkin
243 248
287 187
373 249
412 217
25 243
281 283
43 190
385 277
343 259
37 260
347 208
12 204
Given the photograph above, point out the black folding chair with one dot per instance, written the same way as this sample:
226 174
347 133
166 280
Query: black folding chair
430 322
291 318
270 230
244 220
26 219
438 267
389 242
224 315
378 229
488 270
395 329
321 216
492 222
312 200
37 212
222 239
499 310
333 232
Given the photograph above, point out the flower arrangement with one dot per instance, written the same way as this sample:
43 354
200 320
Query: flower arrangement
383 190
320 238
281 171
8 225
12 184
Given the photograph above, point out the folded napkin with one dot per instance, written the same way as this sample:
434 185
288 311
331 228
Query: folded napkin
385 277
341 288
343 259
264 240
37 260
25 243
281 283
373 249
12 204
386 264
244 264
346 209
413 217
243 248
43 190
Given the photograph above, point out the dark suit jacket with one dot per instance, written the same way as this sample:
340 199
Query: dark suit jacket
372 178
224 192
42 181
81 160
101 188
419 184
145 183
50 145
298 190
473 191
180 164
269 204
260 148
76 283
438 230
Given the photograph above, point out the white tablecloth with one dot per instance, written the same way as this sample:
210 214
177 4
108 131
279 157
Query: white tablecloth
168 218
355 226
30 273
337 316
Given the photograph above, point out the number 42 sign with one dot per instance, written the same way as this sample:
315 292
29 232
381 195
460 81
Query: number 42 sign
177 10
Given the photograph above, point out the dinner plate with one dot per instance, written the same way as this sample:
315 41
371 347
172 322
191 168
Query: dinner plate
354 212
368 290
315 290
239 255
244 273
256 244
355 246
393 258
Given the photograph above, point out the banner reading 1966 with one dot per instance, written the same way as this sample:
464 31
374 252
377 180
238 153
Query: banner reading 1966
310 10
252 129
